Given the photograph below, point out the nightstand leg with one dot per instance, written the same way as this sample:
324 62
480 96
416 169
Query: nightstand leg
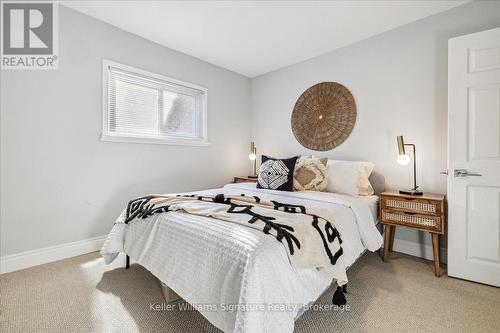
436 250
391 242
387 241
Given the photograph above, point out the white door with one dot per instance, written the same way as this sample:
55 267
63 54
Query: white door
474 157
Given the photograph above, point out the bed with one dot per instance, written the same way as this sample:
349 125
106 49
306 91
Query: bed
239 278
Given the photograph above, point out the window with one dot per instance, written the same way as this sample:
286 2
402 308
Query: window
139 106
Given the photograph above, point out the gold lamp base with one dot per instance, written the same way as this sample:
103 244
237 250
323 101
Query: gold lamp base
411 192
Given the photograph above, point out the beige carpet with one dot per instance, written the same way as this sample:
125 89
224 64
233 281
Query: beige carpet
83 295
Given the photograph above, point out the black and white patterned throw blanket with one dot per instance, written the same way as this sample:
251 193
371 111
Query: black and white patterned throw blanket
310 240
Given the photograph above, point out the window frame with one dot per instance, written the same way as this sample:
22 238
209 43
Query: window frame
106 135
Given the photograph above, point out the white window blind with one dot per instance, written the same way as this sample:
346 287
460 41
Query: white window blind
146 107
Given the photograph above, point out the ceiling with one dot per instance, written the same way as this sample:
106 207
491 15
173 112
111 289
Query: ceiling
256 37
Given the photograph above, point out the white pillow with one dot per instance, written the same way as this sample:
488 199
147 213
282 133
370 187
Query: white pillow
349 177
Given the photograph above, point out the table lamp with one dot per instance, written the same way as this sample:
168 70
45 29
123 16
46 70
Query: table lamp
253 157
404 159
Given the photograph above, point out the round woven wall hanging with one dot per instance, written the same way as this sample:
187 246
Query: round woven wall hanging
324 116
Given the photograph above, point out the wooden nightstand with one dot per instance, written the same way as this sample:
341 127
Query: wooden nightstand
245 179
424 212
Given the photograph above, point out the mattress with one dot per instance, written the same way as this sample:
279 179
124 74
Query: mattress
371 202
239 278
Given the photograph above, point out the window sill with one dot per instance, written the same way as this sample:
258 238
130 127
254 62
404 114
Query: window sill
172 142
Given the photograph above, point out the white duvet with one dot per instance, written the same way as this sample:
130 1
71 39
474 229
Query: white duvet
239 278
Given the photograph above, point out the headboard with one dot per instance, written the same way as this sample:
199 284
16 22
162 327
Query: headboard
378 182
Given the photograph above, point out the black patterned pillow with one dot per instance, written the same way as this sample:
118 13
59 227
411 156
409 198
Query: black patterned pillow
276 174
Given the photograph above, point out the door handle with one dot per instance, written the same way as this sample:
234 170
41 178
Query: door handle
458 173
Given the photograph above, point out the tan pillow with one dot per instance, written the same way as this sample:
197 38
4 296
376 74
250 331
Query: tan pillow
310 174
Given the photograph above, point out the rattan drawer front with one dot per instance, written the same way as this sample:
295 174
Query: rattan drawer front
419 221
418 206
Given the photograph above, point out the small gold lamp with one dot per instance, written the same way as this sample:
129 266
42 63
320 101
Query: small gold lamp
253 157
404 159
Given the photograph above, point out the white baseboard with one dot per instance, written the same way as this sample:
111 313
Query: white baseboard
45 255
418 250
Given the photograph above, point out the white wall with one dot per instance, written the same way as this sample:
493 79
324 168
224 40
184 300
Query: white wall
399 82
59 182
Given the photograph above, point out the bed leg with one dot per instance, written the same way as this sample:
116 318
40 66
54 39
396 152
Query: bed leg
344 288
127 262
